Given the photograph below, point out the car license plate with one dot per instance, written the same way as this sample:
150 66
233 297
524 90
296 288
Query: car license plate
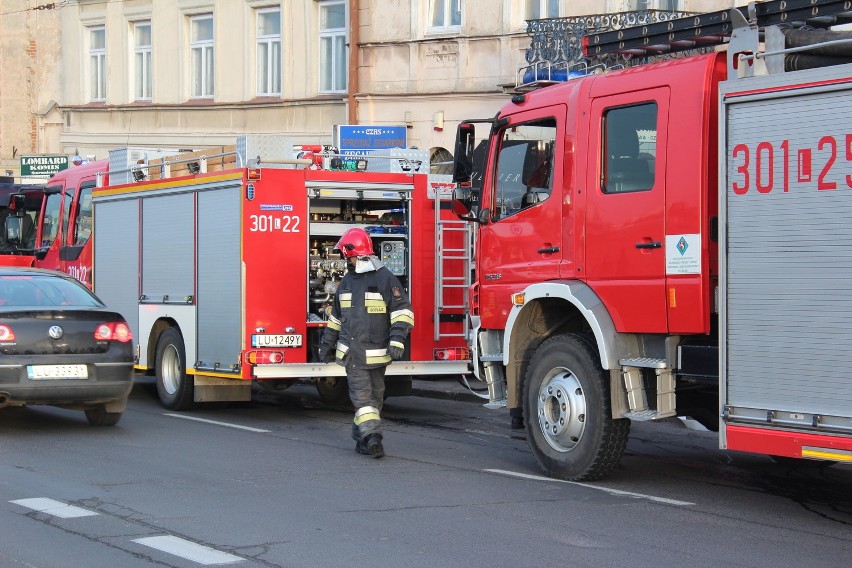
41 372
276 340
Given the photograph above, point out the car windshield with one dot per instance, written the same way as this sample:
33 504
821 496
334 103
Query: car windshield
44 291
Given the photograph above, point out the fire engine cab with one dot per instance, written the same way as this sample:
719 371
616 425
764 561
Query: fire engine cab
671 239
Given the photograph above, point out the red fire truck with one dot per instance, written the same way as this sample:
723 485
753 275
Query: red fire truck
672 239
227 274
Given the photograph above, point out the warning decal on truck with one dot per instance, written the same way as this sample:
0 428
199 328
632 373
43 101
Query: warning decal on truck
683 254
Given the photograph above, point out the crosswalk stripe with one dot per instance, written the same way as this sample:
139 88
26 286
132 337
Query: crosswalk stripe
55 508
188 550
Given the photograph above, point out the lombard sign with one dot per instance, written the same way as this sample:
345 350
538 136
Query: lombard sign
42 166
361 140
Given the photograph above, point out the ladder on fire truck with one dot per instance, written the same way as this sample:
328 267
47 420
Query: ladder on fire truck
716 28
452 268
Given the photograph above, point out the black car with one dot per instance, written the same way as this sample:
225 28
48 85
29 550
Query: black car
61 346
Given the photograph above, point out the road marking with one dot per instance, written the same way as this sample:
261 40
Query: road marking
188 549
55 508
604 489
185 417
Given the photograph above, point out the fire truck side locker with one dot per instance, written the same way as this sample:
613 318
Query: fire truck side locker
190 280
785 301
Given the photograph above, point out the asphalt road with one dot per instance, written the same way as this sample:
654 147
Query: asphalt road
276 482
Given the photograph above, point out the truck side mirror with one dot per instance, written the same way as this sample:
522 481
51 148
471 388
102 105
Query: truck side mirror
463 157
13 227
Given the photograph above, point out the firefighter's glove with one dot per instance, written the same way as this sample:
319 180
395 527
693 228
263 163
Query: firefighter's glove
326 353
396 348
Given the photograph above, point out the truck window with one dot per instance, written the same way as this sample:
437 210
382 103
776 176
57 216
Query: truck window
51 219
629 148
66 215
83 222
524 167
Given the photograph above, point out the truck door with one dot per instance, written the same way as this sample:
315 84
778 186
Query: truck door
625 207
521 241
75 256
50 234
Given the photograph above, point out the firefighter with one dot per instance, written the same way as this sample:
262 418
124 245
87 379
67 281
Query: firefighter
370 320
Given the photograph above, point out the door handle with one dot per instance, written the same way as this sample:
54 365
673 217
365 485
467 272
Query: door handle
651 245
548 250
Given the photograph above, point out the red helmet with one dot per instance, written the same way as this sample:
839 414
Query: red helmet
355 242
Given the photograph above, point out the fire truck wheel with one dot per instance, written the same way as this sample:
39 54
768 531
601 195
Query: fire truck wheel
175 389
567 408
333 390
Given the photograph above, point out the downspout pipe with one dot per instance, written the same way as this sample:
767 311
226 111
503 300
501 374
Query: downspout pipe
354 40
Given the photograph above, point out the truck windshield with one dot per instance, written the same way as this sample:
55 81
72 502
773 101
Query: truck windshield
28 209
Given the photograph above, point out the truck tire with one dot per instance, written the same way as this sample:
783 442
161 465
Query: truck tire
333 390
175 389
567 409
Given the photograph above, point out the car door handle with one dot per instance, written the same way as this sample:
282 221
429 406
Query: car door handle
650 245
548 250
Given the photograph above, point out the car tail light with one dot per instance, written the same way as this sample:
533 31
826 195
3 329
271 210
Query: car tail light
452 354
113 331
6 333
263 357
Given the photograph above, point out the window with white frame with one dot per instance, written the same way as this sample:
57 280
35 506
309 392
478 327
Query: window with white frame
201 56
446 14
332 36
97 63
538 9
142 60
269 52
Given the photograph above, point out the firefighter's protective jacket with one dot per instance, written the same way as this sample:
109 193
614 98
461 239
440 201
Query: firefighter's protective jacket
370 310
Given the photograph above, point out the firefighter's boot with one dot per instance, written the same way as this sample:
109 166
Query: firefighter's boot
374 446
361 448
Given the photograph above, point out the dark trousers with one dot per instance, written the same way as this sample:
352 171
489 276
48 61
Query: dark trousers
367 393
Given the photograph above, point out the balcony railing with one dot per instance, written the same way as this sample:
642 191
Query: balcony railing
557 43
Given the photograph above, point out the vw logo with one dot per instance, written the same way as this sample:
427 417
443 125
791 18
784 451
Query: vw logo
55 332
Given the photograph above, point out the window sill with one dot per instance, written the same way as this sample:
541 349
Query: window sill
445 31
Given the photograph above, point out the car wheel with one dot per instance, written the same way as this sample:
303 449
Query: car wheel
333 390
567 409
100 417
175 389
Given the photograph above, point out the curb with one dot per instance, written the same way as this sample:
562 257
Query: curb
425 389
455 395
